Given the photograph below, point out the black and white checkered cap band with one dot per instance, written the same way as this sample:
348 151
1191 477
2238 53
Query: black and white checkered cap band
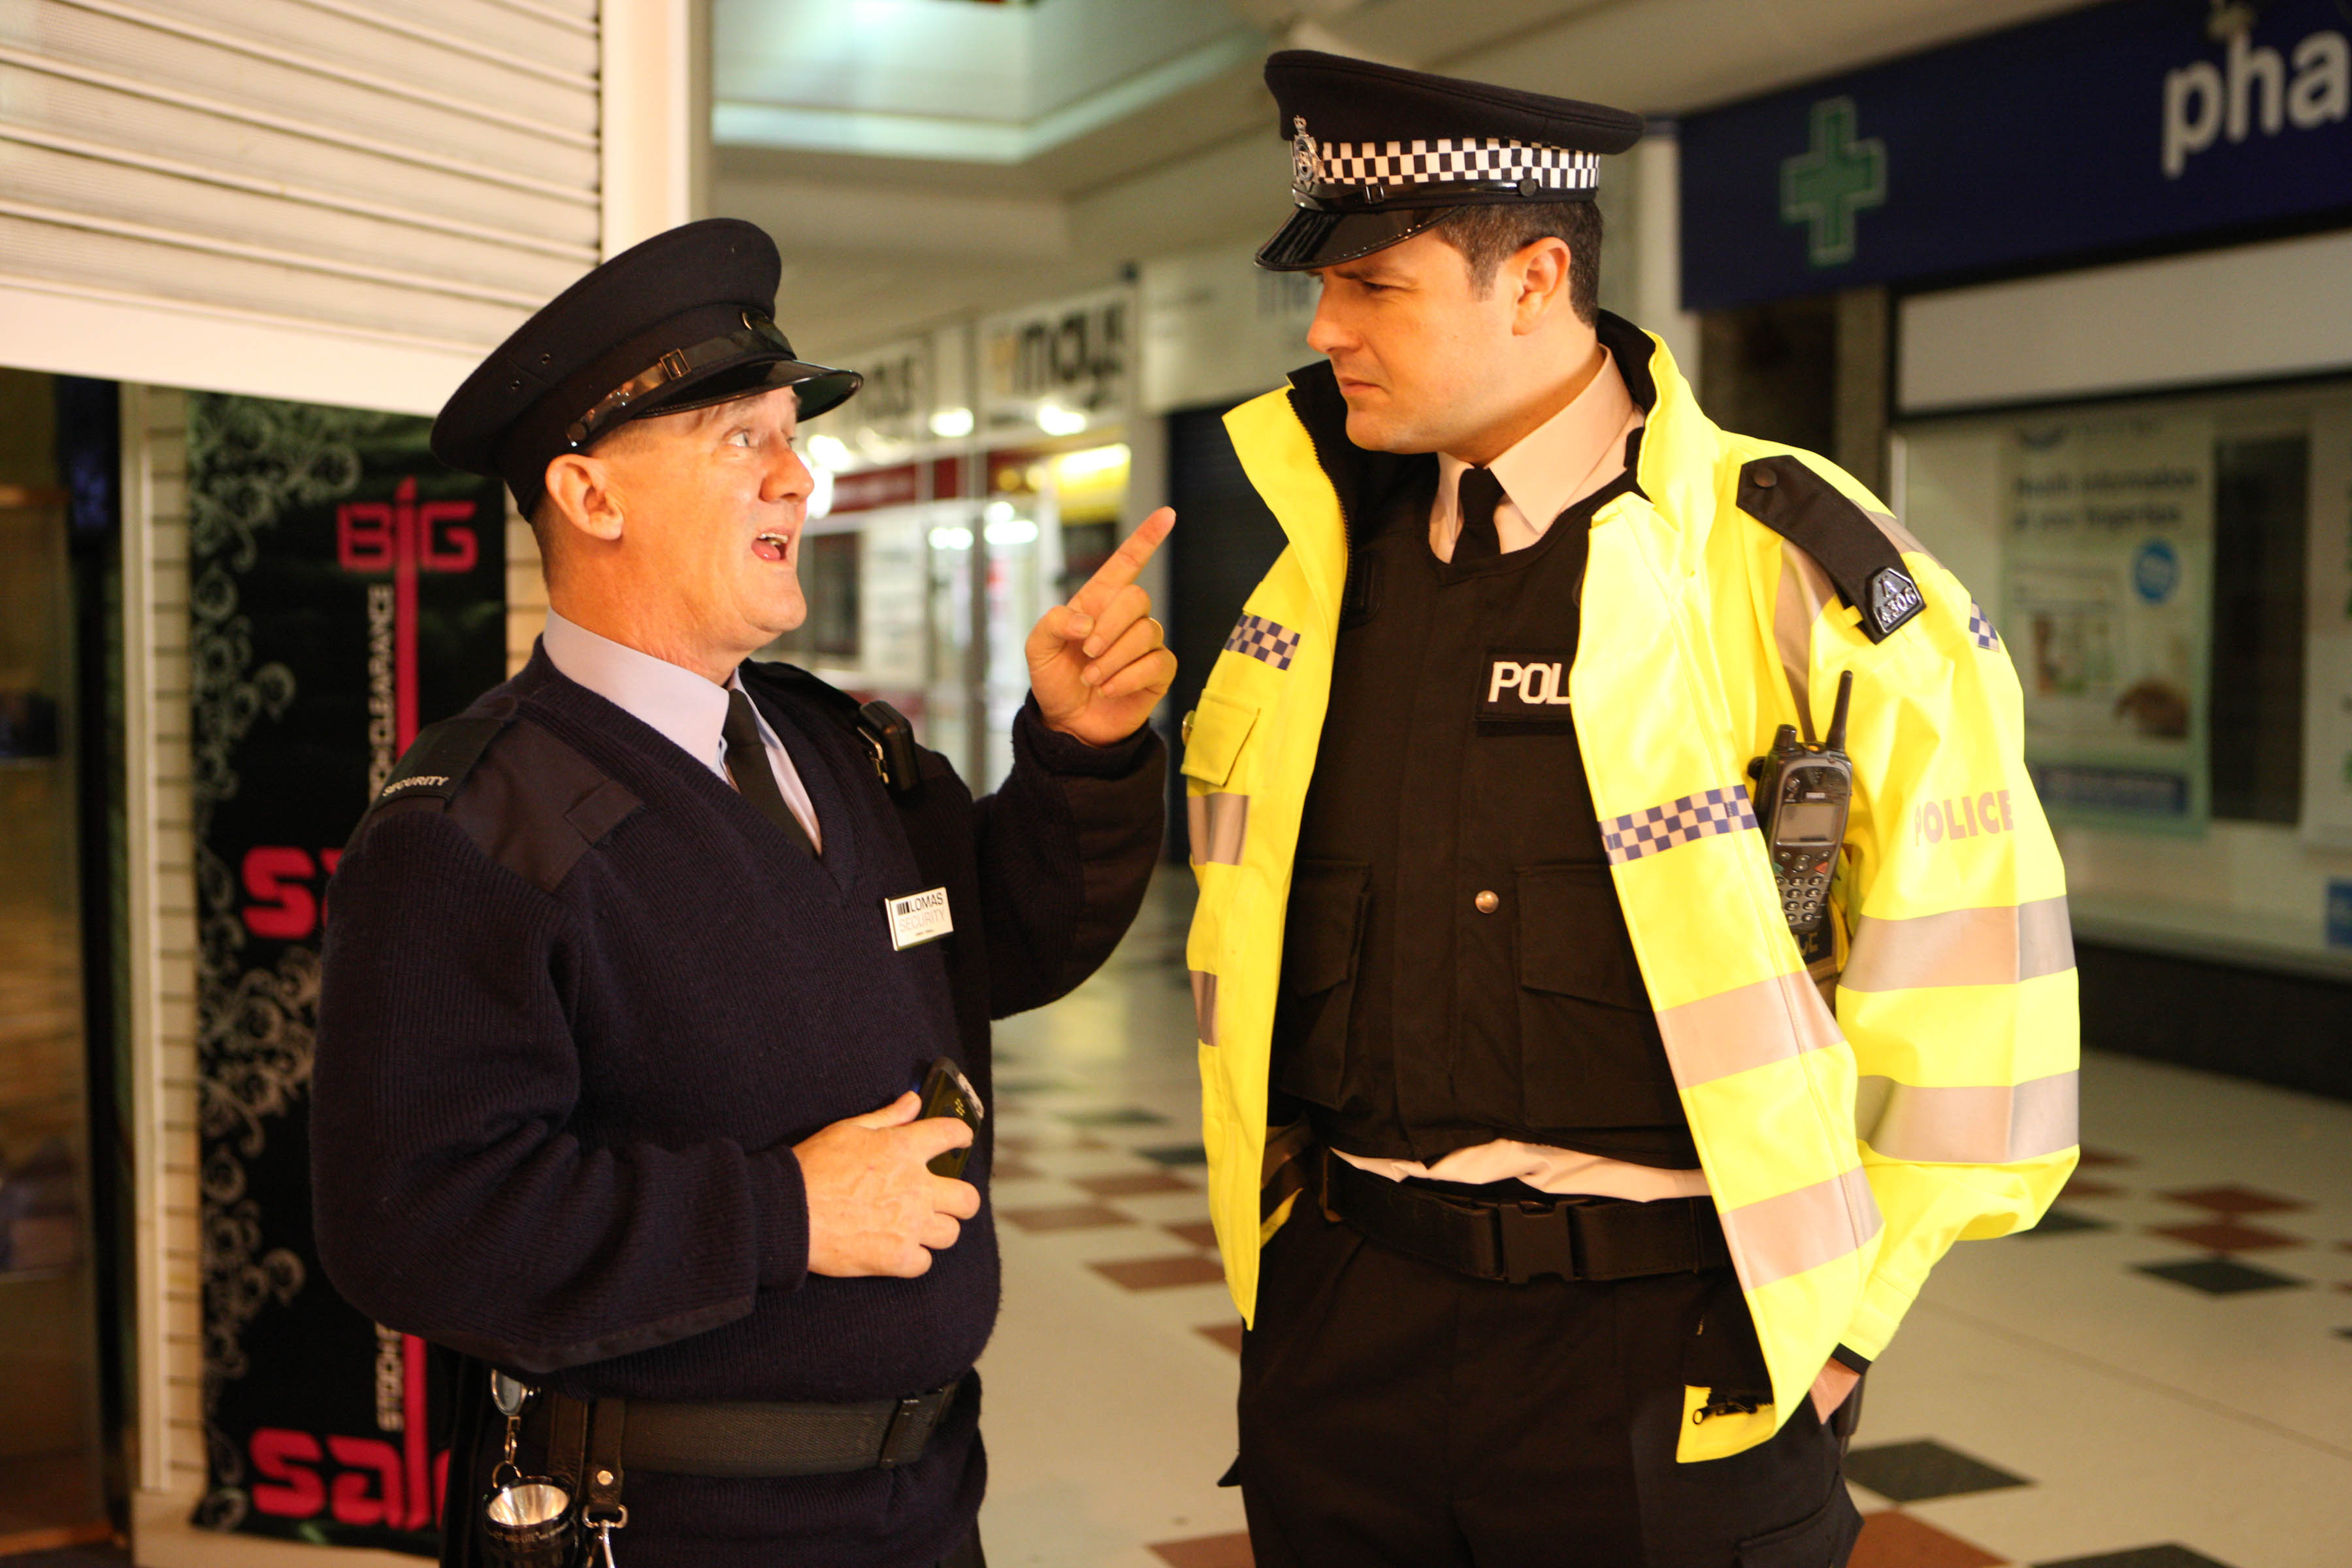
1684 821
1394 163
1260 639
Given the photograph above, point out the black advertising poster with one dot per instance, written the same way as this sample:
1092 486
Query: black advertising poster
344 589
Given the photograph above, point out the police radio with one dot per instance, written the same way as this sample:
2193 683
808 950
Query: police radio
1804 792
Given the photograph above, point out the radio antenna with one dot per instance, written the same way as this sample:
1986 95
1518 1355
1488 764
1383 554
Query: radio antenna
1835 739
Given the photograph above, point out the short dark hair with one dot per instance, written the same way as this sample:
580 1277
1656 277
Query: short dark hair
1489 235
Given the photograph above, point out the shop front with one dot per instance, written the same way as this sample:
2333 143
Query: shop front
989 479
2111 255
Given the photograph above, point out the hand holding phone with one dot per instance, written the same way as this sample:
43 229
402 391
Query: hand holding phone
946 1093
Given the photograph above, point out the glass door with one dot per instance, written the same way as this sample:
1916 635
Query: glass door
50 1440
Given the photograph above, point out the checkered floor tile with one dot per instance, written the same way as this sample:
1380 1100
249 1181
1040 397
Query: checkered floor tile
1916 1472
2168 1556
1892 1539
2221 1275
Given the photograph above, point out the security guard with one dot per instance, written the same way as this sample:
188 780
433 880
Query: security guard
1565 1206
636 966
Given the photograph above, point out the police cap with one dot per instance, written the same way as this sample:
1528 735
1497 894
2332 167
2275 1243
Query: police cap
682 321
1379 153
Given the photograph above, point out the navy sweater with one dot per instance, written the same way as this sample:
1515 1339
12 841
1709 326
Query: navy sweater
556 1093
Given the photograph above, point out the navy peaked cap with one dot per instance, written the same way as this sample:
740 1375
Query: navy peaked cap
1378 152
682 321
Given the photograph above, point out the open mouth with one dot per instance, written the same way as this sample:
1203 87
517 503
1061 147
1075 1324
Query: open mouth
772 547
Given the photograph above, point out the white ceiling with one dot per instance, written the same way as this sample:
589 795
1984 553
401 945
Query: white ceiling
917 160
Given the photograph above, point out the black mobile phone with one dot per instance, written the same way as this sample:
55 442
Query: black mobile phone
1804 793
946 1093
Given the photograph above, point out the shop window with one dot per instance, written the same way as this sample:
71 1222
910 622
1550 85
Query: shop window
2260 511
829 568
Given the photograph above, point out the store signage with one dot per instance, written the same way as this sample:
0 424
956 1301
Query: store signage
344 589
2106 608
2122 127
1060 368
1218 328
898 399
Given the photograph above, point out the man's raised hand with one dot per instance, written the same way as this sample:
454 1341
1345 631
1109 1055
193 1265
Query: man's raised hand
1099 664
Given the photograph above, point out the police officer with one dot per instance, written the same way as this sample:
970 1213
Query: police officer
636 965
1565 1210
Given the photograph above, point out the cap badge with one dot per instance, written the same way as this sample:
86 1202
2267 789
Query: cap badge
1305 165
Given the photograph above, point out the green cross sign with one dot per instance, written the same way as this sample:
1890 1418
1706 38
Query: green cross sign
1824 187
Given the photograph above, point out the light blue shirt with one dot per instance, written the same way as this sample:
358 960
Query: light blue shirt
680 705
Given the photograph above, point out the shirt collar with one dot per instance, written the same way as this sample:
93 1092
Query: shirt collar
682 706
1546 470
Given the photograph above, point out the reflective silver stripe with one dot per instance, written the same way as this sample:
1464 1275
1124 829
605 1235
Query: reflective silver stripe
1775 1238
1204 1005
1804 589
1996 946
1752 1027
1989 1125
1905 542
1219 825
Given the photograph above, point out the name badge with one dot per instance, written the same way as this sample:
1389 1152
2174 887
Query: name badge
918 918
1523 685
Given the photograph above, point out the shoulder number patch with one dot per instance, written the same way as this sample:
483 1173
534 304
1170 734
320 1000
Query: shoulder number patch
1894 599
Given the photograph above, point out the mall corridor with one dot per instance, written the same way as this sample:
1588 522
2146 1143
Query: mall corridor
2155 1377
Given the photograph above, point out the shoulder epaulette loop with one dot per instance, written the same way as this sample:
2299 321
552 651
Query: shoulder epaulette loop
1789 498
438 761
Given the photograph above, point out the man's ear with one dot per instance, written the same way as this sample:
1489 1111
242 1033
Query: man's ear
580 491
1541 270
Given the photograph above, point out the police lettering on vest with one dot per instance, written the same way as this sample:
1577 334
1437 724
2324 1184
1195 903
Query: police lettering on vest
1526 685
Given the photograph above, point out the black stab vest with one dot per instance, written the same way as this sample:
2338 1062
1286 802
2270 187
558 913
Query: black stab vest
1411 1021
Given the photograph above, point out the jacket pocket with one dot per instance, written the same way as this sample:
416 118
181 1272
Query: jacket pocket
1322 939
1572 939
1824 1539
1213 733
1589 1047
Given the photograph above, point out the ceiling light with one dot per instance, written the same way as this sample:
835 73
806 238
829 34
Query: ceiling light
1056 420
1013 531
1093 460
950 424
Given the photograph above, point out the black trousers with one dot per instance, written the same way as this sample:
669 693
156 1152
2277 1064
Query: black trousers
1396 1414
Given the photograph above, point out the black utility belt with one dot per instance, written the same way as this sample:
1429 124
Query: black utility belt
751 1440
1575 1239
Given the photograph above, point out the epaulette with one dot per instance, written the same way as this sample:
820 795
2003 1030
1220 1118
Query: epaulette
535 806
1801 506
438 761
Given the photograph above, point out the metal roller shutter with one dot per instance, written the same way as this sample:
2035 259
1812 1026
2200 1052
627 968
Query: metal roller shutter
412 174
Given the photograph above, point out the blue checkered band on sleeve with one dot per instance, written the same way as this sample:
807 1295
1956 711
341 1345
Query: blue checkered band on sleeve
1694 817
1263 639
1981 628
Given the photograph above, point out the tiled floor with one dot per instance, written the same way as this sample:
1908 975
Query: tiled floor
2159 1377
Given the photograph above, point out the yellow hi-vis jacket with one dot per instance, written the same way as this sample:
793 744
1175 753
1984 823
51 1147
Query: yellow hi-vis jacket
1846 1153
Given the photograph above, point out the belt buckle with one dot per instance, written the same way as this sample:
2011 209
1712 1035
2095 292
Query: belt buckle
1535 1238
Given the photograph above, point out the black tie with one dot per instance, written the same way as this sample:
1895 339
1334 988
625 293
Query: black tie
1479 493
747 759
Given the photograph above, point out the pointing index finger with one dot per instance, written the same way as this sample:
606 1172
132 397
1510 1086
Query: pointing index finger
1128 561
